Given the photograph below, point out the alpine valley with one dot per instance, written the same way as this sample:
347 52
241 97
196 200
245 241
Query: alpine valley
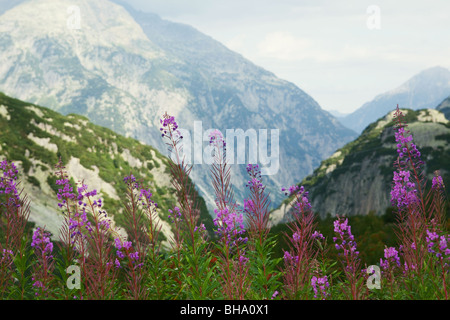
123 69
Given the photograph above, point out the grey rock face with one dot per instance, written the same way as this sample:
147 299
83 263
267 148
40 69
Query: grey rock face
123 69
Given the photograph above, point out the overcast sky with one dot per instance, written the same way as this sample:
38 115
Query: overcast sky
342 53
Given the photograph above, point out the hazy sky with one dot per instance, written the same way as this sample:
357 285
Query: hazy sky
342 53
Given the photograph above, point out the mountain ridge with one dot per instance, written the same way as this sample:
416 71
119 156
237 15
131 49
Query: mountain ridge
357 178
34 137
426 89
128 89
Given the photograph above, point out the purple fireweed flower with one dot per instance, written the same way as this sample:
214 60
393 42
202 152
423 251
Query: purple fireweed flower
296 236
175 215
169 125
437 183
438 245
8 184
256 206
302 203
43 248
124 249
38 284
243 260
120 254
127 245
130 179
345 240
404 143
119 246
7 257
248 206
289 259
42 244
145 195
403 192
216 139
230 225
320 284
292 189
255 182
80 222
134 256
253 170
275 294
391 258
317 235
66 193
200 228
118 243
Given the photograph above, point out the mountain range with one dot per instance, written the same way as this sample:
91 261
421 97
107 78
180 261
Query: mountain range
357 178
123 69
424 90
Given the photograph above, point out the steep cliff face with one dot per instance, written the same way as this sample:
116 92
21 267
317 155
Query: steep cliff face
34 138
123 69
357 178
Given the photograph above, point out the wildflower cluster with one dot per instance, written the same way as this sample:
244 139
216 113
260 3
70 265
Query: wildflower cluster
216 139
255 182
42 243
438 245
404 191
8 185
345 244
238 262
66 193
344 240
406 149
320 286
125 250
168 125
392 259
43 249
302 203
437 183
230 226
256 205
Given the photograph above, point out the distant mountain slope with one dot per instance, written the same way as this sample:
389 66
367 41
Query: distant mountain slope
425 90
8 4
357 178
337 114
34 137
444 107
123 69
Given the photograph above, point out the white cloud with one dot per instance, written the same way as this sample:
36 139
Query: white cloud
324 46
284 46
237 43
